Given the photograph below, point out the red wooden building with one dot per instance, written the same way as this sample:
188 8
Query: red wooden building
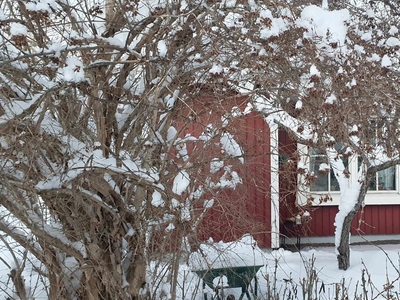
265 203
209 124
377 220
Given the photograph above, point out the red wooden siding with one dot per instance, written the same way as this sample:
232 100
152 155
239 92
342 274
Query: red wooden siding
247 209
375 219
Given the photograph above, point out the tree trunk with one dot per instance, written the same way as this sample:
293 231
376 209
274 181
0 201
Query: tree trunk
343 249
343 256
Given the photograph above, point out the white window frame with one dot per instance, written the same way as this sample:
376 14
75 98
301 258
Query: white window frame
381 197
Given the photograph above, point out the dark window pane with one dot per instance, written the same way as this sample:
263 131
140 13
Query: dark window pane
334 182
322 182
387 179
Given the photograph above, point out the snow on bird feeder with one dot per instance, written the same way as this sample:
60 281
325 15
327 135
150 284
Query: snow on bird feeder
220 282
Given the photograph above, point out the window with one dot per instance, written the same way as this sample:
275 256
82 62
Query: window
384 180
383 189
325 176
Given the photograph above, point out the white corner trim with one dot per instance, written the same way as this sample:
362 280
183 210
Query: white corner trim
274 150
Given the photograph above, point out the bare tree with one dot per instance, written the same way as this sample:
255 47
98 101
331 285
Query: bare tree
107 158
97 99
342 102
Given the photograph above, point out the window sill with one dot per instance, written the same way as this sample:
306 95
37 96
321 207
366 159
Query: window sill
372 198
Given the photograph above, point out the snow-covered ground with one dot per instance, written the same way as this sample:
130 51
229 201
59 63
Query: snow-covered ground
380 265
295 272
316 270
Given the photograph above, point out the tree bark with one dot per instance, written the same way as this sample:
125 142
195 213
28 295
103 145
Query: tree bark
343 256
344 248
19 283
